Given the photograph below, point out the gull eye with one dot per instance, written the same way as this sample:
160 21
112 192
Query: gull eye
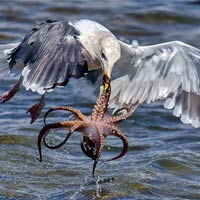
103 56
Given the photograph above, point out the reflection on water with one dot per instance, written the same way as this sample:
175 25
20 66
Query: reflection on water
163 158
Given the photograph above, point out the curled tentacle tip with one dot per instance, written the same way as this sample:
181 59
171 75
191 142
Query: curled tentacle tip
94 167
93 175
39 159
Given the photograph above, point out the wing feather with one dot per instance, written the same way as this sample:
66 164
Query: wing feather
51 54
150 73
5 50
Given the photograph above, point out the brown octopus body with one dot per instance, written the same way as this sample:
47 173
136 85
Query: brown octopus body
95 128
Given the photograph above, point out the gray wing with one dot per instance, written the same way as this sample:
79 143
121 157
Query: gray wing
149 73
48 56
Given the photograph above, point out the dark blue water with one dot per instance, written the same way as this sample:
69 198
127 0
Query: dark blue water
163 161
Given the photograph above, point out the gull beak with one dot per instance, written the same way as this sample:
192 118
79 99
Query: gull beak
106 79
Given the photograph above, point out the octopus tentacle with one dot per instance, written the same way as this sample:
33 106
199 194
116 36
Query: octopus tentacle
76 112
95 127
100 148
118 118
58 145
45 130
116 132
77 125
101 105
129 109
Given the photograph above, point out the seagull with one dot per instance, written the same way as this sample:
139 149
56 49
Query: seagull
55 51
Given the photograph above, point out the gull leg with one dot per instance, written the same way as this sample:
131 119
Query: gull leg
36 109
10 93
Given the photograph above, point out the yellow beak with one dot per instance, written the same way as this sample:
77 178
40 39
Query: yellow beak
106 80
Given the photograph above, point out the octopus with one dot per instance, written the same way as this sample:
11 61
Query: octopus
94 128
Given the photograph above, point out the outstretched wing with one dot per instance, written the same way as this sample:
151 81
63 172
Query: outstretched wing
49 55
149 73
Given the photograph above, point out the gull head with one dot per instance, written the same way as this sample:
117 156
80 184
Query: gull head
100 43
109 54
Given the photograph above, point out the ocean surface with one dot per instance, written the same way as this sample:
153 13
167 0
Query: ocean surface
163 161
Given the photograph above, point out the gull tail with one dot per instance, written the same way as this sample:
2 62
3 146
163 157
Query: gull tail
5 50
